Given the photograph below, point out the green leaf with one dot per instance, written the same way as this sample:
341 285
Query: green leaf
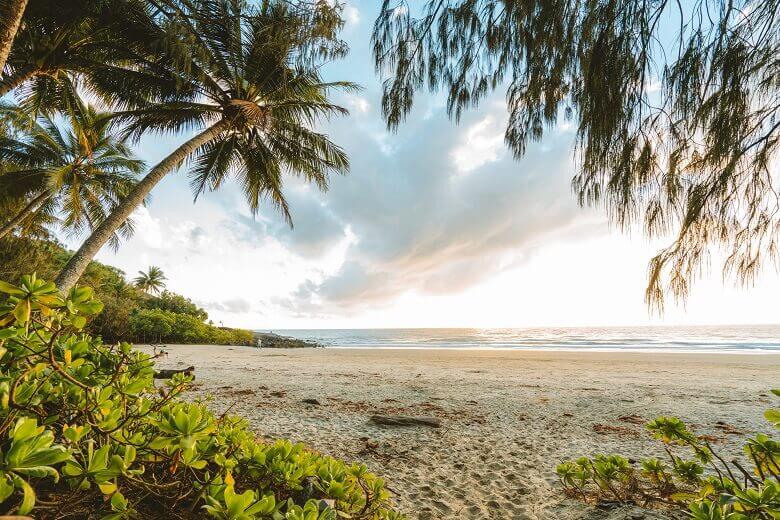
10 289
6 487
118 502
28 498
78 321
773 416
81 294
22 311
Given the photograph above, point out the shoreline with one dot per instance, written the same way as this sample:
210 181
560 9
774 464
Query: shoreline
532 350
670 350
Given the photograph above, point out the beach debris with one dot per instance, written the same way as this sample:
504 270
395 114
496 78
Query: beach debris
727 428
314 402
278 393
405 420
632 419
709 438
384 452
621 431
169 373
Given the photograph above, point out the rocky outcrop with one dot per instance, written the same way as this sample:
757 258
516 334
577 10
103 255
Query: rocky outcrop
271 340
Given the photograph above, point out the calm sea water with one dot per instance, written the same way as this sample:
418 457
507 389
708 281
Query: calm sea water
753 338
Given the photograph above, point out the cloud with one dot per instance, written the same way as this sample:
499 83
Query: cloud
357 104
482 143
316 229
419 225
351 14
237 305
147 228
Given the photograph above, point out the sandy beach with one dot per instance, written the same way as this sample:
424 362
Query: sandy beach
508 417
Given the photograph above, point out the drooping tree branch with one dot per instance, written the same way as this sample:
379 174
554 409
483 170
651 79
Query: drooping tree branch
676 108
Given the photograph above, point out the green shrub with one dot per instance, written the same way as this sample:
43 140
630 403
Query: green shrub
84 433
703 487
168 301
158 326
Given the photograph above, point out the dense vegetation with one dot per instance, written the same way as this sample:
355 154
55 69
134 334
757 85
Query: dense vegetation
84 433
728 491
129 313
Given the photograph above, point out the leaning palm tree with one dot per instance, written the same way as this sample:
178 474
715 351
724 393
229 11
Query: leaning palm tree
253 108
76 172
152 281
12 10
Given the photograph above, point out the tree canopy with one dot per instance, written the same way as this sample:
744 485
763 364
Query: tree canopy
676 107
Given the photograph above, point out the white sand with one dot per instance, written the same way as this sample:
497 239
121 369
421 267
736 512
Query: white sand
509 416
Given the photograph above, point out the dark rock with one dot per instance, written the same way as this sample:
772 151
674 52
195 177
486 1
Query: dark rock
271 340
311 401
167 374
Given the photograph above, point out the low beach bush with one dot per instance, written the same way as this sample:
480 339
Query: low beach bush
703 486
85 433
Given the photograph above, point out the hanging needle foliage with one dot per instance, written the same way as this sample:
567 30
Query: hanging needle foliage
676 106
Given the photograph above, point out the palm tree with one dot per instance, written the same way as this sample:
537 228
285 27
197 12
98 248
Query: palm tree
253 107
152 281
13 10
78 171
62 42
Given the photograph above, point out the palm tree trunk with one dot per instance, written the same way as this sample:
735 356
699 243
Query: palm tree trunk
11 82
8 28
80 260
29 208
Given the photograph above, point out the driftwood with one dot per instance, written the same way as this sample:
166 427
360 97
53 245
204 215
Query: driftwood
167 374
404 420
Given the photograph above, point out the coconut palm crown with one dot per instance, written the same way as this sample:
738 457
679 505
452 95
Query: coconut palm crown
152 281
61 43
72 172
251 93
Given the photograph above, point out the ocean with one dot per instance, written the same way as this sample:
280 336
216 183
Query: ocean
738 338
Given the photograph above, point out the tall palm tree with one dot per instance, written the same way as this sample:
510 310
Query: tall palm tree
152 281
77 171
253 107
12 10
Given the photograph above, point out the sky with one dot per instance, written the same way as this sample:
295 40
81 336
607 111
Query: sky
435 226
